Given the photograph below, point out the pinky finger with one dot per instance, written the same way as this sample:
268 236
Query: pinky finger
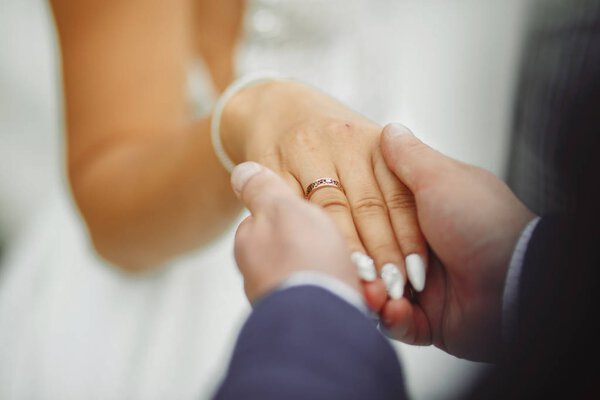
406 322
375 294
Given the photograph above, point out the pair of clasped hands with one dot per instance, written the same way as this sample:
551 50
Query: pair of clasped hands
307 136
441 227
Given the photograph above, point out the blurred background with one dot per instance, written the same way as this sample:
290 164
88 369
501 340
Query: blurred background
449 71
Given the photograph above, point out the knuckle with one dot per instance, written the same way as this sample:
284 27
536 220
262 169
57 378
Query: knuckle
368 206
401 202
333 201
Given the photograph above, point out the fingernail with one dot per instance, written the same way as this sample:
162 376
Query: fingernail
415 269
396 130
365 266
242 173
393 280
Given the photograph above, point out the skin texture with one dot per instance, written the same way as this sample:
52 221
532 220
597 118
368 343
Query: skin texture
472 222
375 213
139 164
284 235
142 169
470 218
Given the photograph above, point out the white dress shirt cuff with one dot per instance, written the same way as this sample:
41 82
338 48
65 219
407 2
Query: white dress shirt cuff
329 283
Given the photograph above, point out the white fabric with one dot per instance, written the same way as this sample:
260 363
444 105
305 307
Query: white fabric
73 328
329 283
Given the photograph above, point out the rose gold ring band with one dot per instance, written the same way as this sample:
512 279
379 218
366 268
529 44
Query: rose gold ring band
319 184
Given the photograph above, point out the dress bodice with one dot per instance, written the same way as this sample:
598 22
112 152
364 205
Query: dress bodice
334 45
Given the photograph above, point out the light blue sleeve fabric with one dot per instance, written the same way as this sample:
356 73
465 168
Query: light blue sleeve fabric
510 297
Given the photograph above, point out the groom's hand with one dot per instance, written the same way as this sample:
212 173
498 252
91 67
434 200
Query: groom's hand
472 221
284 234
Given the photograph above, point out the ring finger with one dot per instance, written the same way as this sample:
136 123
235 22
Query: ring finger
371 218
333 199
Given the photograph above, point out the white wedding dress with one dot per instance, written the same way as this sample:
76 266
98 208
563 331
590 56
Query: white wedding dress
74 328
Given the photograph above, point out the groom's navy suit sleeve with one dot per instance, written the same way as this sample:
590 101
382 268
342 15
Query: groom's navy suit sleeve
554 354
306 343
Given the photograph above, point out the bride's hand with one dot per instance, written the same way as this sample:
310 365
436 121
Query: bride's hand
304 135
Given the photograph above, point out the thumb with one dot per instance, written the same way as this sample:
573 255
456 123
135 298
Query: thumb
259 188
411 160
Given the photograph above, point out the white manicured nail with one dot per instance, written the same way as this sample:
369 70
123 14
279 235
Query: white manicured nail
393 279
365 266
415 269
242 173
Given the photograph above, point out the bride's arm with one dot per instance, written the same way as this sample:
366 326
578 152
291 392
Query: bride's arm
142 171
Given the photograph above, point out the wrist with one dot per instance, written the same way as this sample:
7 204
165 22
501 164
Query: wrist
248 115
262 111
